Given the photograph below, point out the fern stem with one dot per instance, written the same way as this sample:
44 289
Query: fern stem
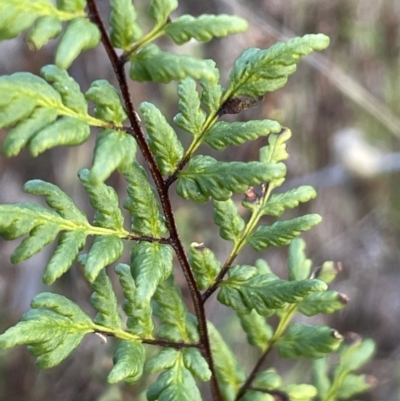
162 189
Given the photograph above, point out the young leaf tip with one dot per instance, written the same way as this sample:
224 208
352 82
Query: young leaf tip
336 335
328 271
198 247
320 41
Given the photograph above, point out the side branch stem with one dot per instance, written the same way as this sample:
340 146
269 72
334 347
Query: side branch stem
165 343
284 322
162 189
124 335
239 244
246 385
207 294
277 394
147 238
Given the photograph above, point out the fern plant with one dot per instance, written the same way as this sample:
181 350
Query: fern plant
50 110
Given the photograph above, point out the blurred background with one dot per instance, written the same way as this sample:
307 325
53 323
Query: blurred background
343 107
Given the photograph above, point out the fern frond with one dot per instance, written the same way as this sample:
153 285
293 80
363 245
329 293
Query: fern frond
80 34
34 106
